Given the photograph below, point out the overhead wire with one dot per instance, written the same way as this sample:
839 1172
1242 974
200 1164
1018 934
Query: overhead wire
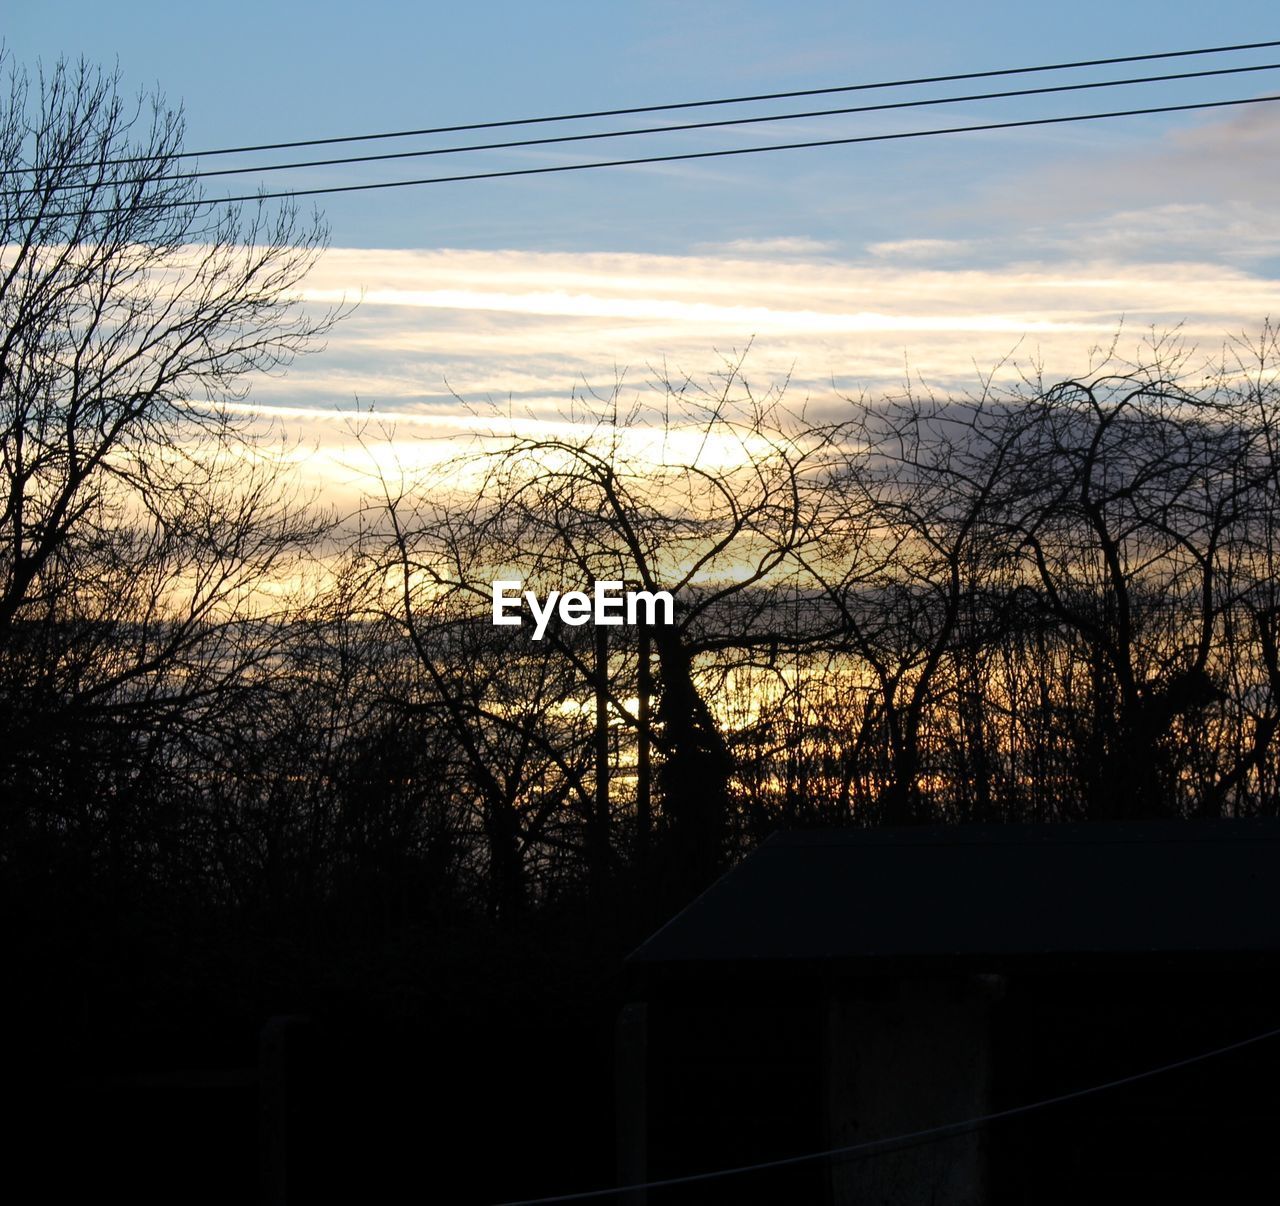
908 1139
686 156
681 127
698 104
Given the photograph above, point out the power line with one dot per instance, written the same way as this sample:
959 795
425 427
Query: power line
671 129
648 159
699 104
910 1139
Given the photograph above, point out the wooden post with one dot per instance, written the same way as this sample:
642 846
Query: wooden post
599 841
644 744
277 1056
631 1089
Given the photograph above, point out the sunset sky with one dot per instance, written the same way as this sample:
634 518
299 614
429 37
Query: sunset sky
845 267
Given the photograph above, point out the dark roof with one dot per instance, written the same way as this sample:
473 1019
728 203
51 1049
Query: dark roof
1004 890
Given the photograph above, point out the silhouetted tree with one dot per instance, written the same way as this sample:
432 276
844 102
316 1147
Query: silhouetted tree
1144 520
145 535
908 566
703 492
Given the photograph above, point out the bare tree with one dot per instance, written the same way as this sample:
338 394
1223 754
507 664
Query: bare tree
520 745
907 569
140 518
701 491
1057 601
1145 526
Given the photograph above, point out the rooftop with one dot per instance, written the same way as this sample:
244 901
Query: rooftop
1002 890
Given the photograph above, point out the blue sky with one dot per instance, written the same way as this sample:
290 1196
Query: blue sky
265 71
845 268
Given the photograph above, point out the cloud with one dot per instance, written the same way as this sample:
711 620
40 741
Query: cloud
781 245
521 321
920 249
1207 190
442 330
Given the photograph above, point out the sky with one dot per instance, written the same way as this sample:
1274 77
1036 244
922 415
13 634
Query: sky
842 269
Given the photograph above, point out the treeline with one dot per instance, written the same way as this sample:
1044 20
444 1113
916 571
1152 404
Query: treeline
1049 600
1056 602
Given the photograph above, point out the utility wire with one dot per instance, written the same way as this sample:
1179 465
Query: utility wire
700 104
172 204
862 1151
670 129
